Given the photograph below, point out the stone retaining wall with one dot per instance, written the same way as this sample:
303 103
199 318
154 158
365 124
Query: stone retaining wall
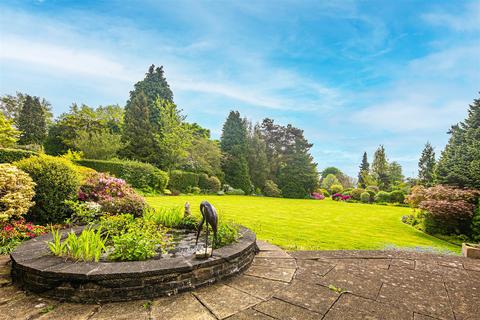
36 270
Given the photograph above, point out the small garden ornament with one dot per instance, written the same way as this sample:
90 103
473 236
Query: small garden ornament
187 211
209 216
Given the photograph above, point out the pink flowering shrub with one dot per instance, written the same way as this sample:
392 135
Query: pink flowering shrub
113 194
341 197
317 196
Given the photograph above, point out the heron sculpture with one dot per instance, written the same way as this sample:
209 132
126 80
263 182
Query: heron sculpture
209 216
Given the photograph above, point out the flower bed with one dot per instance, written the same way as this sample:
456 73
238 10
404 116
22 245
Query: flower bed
35 269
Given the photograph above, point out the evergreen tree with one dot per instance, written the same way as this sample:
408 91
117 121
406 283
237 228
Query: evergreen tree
364 170
32 122
395 175
299 177
8 134
380 168
138 134
459 163
257 158
234 148
426 166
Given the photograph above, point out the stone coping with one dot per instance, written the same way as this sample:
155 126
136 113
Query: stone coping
36 269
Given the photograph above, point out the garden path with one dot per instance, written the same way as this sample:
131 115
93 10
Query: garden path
294 285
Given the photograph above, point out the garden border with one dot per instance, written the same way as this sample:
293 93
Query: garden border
35 269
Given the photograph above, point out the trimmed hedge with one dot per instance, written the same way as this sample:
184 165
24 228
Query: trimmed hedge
56 180
138 174
8 155
182 181
209 184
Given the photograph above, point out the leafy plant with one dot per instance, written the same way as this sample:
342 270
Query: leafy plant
271 189
56 246
16 192
113 225
14 232
88 246
83 212
365 197
382 197
171 217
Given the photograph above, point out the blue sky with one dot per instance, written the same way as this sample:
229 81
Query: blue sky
352 74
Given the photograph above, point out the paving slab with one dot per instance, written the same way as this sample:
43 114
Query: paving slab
403 263
25 307
273 254
224 301
280 262
250 314
310 296
265 246
183 306
349 306
138 310
368 287
471 264
272 273
70 311
282 310
257 287
465 298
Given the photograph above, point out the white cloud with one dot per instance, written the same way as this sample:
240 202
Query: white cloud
468 21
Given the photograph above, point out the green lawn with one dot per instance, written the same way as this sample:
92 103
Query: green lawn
314 225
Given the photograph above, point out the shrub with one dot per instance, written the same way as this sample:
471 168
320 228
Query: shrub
317 196
416 196
447 217
271 189
14 232
375 189
113 194
382 197
8 155
235 192
115 225
84 172
356 193
16 192
182 181
336 188
227 233
56 181
397 196
138 174
365 197
475 226
325 192
83 212
209 184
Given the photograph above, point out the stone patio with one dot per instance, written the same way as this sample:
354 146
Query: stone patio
298 285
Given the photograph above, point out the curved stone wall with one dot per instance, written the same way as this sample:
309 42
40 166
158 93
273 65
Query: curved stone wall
36 270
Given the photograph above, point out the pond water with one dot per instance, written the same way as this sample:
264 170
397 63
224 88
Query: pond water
183 243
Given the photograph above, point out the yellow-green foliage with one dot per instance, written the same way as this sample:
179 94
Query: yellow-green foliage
56 180
88 246
16 192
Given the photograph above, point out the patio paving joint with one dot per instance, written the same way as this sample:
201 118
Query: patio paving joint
204 305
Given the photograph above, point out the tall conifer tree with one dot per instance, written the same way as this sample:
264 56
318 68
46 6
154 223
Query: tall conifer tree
364 171
380 168
426 166
32 122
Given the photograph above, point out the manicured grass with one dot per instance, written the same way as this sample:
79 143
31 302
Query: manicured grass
316 225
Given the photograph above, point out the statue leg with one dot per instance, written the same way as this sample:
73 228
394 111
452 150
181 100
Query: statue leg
206 240
199 228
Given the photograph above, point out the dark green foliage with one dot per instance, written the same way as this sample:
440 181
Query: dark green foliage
234 148
426 166
271 189
257 158
154 86
380 168
331 170
56 181
139 175
382 197
138 131
32 122
476 224
209 184
459 163
182 181
11 155
299 177
235 192
395 175
364 170
397 196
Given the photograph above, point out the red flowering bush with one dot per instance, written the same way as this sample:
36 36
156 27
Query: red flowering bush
317 196
341 197
113 194
14 232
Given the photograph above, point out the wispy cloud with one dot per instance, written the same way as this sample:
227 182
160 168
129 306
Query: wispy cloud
468 20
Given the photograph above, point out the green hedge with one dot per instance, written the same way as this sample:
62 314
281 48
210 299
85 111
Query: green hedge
182 181
209 184
8 155
138 174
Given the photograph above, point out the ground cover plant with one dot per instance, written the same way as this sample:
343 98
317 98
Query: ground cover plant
299 224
